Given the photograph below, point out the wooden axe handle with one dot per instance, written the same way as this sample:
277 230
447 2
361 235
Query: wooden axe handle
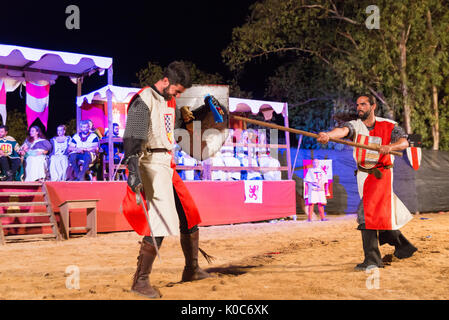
309 134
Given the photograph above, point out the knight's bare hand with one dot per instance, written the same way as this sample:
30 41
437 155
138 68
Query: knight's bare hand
323 137
385 149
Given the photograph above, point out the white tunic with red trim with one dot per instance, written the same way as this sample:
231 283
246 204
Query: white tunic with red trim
382 208
157 170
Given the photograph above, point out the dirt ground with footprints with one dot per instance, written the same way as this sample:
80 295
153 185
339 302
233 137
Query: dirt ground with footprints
282 260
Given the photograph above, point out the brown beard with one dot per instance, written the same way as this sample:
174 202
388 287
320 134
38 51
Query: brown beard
364 115
166 95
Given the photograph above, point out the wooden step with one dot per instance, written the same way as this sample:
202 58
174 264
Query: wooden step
22 204
29 214
16 193
14 184
30 236
27 225
20 194
78 228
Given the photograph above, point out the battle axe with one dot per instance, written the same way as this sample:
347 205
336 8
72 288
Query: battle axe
312 135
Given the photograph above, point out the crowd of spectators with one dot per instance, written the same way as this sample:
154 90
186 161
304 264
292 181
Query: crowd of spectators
251 152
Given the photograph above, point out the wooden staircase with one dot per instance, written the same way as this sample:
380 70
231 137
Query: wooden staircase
26 212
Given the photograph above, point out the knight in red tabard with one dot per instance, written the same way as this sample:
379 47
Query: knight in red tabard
148 143
382 214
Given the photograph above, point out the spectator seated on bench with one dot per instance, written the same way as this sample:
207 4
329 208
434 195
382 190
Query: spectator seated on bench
35 151
10 162
83 151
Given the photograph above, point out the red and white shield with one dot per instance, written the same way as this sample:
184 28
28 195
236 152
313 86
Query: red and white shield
367 158
414 157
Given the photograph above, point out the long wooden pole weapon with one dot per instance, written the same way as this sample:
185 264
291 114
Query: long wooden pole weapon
312 135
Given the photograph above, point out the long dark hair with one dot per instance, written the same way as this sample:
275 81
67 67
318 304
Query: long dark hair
39 134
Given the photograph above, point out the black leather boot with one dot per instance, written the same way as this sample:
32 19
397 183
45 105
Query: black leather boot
190 248
371 250
141 282
403 247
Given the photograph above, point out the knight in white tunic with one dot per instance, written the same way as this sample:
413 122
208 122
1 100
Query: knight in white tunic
148 143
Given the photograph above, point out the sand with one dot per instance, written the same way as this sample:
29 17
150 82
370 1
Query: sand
286 260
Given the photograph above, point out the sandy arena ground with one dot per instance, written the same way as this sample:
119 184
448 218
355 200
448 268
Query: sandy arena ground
288 260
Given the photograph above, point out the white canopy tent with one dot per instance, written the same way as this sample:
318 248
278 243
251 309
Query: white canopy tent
119 94
19 64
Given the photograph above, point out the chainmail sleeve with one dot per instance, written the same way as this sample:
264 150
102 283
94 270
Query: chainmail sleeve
351 129
137 127
398 133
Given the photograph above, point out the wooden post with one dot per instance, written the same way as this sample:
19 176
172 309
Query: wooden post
79 82
110 143
91 221
287 142
296 155
2 235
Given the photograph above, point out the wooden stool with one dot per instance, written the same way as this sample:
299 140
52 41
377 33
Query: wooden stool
90 205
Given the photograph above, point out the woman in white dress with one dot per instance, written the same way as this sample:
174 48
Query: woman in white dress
35 149
58 157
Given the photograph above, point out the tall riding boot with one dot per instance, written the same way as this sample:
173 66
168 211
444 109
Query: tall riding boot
141 282
371 250
403 247
190 248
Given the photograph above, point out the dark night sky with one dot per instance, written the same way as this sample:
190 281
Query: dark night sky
131 32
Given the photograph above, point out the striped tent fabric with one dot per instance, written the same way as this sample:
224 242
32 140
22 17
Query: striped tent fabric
3 101
37 97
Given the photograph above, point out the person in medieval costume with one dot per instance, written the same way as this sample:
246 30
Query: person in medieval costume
59 161
317 187
35 150
9 154
148 143
381 214
83 151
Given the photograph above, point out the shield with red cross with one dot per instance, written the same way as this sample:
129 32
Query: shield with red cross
367 158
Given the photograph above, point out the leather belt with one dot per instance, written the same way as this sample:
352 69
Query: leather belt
377 173
156 150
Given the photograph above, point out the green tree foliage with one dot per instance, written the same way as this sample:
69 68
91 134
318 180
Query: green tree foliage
17 125
402 63
70 127
314 98
154 72
149 75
